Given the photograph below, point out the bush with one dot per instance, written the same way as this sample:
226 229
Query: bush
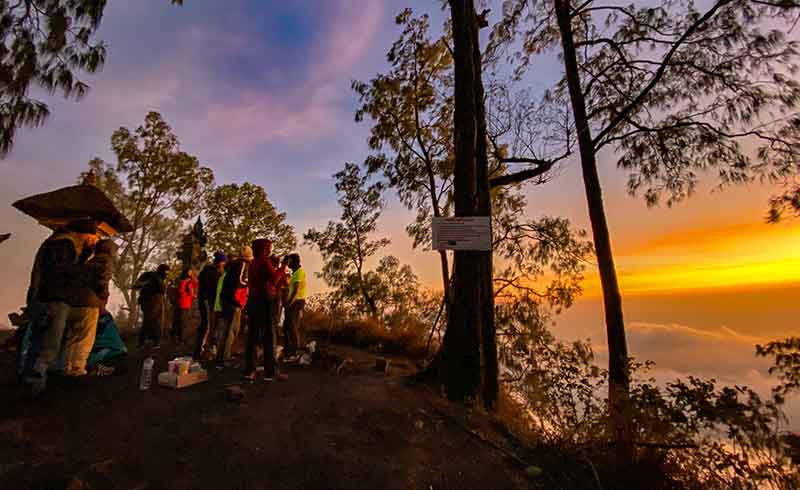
404 336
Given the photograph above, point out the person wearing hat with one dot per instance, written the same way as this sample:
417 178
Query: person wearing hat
55 271
261 304
233 297
209 277
152 291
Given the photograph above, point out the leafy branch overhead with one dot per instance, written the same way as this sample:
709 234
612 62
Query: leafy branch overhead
678 88
45 44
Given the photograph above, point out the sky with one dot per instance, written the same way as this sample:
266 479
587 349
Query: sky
260 91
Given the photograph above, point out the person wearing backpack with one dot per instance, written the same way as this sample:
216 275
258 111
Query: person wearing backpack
152 290
90 295
233 297
209 277
55 273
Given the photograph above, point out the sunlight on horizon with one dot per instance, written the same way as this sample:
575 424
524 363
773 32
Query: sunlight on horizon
738 257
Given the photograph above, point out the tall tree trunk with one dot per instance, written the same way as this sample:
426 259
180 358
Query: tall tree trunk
619 377
467 364
445 275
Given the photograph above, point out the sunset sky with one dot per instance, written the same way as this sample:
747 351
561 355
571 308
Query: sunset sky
259 91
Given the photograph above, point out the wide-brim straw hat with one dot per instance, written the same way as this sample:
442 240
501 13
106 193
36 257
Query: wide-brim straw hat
57 208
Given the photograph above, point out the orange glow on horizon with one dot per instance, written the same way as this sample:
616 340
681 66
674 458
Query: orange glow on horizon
738 256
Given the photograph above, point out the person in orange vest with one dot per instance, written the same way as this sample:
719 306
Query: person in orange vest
187 292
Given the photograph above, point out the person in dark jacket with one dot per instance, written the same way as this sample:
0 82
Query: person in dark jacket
152 290
55 270
233 297
90 296
209 277
261 303
187 291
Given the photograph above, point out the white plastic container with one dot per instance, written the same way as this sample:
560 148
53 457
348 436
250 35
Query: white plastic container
147 374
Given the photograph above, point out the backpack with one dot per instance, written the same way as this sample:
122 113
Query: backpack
146 284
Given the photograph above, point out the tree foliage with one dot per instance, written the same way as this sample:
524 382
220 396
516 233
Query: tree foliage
625 73
345 245
412 109
158 187
636 61
238 214
45 44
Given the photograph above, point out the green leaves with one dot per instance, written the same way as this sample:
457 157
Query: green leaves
158 187
345 245
678 89
49 44
238 214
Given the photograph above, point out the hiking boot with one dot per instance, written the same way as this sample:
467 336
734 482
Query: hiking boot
250 378
283 377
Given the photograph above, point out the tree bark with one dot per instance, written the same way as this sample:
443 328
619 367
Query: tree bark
619 377
467 364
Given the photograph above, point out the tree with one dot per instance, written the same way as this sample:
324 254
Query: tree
467 363
158 187
626 69
238 214
45 43
412 110
345 245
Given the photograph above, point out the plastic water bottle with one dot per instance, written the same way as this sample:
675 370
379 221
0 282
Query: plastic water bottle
147 374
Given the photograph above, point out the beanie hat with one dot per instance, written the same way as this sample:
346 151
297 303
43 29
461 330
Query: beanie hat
247 254
219 257
85 226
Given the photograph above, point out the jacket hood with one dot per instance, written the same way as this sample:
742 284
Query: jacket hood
259 246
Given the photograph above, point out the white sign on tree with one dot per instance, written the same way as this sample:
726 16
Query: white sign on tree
462 233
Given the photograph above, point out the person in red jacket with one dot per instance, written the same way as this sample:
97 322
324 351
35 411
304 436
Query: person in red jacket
187 291
261 303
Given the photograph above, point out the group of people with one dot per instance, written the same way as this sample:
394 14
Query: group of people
69 288
254 289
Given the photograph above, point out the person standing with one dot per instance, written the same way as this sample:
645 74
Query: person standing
295 304
152 290
187 291
209 277
261 303
90 296
55 270
282 290
233 297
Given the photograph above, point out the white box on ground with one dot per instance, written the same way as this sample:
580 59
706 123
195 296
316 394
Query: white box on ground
462 233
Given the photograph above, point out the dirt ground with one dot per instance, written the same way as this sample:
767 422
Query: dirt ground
358 430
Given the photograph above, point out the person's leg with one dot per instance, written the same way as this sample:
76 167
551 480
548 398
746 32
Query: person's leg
271 368
254 309
183 323
298 322
233 331
202 329
225 334
80 339
290 330
38 320
53 336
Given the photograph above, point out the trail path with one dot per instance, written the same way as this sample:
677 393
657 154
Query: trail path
361 430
